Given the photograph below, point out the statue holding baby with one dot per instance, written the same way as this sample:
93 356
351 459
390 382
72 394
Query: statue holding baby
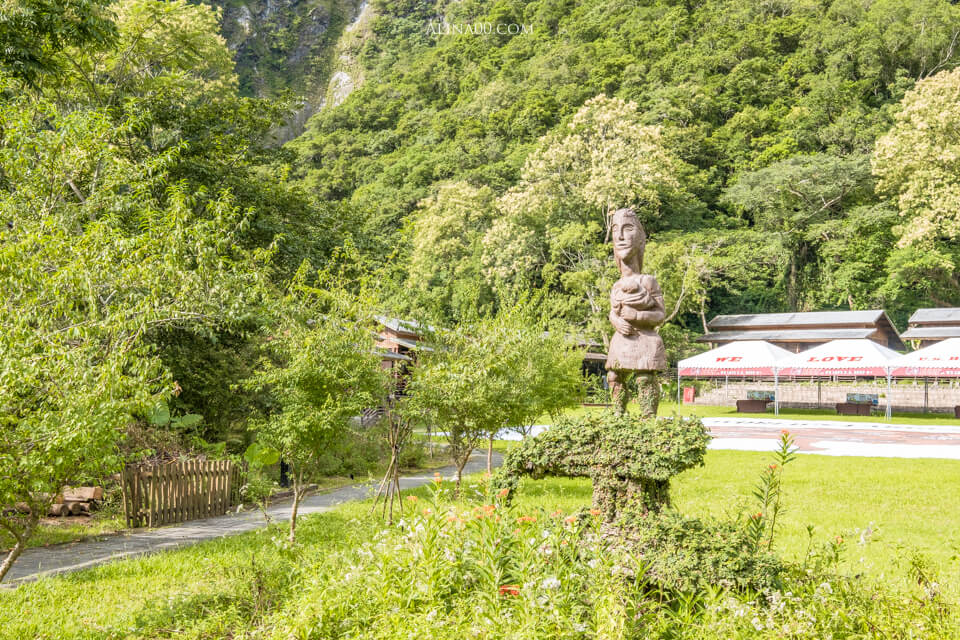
636 353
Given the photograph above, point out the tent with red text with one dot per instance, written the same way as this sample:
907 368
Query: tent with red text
744 358
848 358
939 360
841 358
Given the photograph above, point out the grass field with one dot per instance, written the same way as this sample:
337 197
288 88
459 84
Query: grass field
911 505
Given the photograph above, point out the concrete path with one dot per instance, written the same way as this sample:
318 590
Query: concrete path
836 438
44 561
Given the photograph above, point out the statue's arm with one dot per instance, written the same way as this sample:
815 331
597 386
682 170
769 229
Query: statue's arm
620 324
654 316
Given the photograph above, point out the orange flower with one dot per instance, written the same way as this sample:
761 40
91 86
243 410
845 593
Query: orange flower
489 508
594 512
437 478
570 519
412 498
773 467
756 516
839 539
503 493
527 519
556 514
509 590
427 512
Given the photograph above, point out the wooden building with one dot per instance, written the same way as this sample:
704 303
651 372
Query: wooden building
933 325
798 332
401 337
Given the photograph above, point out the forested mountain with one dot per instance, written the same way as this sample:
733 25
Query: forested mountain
782 154
481 165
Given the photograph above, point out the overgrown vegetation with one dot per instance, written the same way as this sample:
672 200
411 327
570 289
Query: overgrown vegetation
550 573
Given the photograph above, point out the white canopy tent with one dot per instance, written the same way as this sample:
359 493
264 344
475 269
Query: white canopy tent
743 358
844 358
939 360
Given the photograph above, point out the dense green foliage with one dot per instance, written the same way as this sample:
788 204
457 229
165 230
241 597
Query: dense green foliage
751 100
498 372
138 220
430 576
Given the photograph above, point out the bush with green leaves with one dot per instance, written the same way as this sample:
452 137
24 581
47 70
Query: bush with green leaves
629 458
687 554
319 372
496 372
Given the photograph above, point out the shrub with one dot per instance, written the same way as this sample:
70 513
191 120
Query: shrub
687 554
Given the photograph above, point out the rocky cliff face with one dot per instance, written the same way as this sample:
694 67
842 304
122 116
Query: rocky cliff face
293 45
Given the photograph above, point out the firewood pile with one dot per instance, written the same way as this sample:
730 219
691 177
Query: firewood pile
75 501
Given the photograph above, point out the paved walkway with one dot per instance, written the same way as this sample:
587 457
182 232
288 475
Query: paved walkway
44 561
838 438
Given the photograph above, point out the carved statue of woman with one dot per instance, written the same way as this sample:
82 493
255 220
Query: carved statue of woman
636 309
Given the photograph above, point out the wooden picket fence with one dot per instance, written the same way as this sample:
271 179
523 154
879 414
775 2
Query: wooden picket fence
179 491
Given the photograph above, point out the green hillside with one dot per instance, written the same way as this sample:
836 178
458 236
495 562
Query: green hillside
768 111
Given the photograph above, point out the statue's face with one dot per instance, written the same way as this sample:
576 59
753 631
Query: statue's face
627 236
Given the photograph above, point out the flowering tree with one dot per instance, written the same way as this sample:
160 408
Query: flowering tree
553 226
918 160
445 235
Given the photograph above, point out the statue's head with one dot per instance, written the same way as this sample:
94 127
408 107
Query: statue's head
629 238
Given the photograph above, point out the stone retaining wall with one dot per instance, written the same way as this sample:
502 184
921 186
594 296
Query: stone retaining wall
906 396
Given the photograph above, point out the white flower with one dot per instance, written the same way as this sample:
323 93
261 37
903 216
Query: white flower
550 583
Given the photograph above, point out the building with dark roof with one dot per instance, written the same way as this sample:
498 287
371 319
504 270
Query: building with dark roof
800 331
933 325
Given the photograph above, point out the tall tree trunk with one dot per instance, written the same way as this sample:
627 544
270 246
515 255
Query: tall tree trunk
461 463
297 495
20 545
792 296
490 454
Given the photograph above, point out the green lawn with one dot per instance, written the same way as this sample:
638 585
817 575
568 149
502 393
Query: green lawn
912 505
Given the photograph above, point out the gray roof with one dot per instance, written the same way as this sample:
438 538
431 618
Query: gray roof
922 316
789 335
931 333
393 355
411 344
403 326
798 319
